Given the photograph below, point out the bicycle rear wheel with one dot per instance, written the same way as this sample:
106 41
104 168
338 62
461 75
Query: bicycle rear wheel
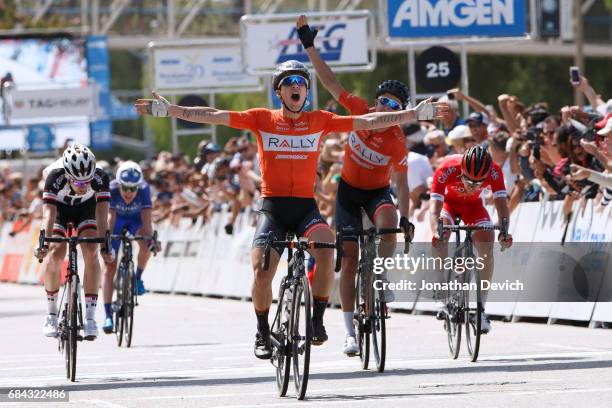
301 335
473 315
379 335
454 319
362 325
62 330
129 306
281 356
73 331
119 304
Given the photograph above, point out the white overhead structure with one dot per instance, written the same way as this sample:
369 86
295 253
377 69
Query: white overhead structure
192 67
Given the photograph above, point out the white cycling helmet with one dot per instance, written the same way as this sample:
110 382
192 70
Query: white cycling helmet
79 162
129 174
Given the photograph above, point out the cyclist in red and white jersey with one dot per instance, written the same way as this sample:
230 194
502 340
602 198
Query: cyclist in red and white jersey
456 193
288 142
371 159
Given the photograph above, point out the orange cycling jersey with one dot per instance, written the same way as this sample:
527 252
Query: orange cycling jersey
289 148
369 155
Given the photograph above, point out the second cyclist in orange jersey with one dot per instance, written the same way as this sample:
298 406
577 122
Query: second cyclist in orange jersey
372 158
288 144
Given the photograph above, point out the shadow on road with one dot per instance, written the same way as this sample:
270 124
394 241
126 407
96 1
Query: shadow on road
167 381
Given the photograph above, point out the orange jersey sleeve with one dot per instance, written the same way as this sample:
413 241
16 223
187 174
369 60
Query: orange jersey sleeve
353 103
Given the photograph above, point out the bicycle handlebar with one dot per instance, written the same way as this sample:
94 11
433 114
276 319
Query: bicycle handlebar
503 228
301 244
151 238
42 239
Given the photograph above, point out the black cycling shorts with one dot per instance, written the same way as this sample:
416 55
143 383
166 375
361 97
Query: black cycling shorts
82 217
283 215
349 202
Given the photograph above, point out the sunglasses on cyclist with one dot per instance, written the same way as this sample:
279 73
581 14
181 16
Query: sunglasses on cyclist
472 183
80 184
128 189
295 80
389 103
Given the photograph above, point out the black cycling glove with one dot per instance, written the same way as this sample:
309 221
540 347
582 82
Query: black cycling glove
307 36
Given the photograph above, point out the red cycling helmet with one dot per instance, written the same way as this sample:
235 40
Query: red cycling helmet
476 163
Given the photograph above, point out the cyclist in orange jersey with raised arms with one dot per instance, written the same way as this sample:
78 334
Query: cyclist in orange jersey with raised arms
288 141
371 159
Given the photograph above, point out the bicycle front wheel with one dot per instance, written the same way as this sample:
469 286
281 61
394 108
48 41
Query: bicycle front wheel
301 335
362 324
379 335
129 306
119 304
473 314
73 332
454 319
281 356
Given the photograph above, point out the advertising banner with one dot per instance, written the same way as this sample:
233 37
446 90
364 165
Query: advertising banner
342 42
200 67
52 104
40 138
418 19
98 69
415 20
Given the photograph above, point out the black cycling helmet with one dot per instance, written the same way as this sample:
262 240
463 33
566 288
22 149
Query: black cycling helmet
287 68
395 88
476 163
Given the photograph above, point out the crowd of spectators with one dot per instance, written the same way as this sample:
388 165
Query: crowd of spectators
544 155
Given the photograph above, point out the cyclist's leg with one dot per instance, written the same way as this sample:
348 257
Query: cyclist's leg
51 271
440 252
315 228
86 227
348 221
108 284
382 211
261 289
483 242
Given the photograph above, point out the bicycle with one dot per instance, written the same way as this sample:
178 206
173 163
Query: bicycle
464 305
291 330
370 306
71 312
126 297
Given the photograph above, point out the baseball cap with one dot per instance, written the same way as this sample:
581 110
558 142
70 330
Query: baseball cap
477 117
458 132
606 129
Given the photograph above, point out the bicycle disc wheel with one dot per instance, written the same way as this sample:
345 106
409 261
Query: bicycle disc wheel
361 326
301 335
74 329
453 320
281 357
473 315
379 335
119 305
131 297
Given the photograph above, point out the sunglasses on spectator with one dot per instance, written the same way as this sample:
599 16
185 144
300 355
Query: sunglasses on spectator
129 189
80 184
470 139
388 102
472 183
294 80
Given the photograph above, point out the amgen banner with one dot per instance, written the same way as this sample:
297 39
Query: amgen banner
455 18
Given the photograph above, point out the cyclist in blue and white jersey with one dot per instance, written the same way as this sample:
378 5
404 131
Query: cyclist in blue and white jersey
130 207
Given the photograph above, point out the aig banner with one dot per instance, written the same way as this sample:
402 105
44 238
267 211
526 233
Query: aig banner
418 19
343 40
